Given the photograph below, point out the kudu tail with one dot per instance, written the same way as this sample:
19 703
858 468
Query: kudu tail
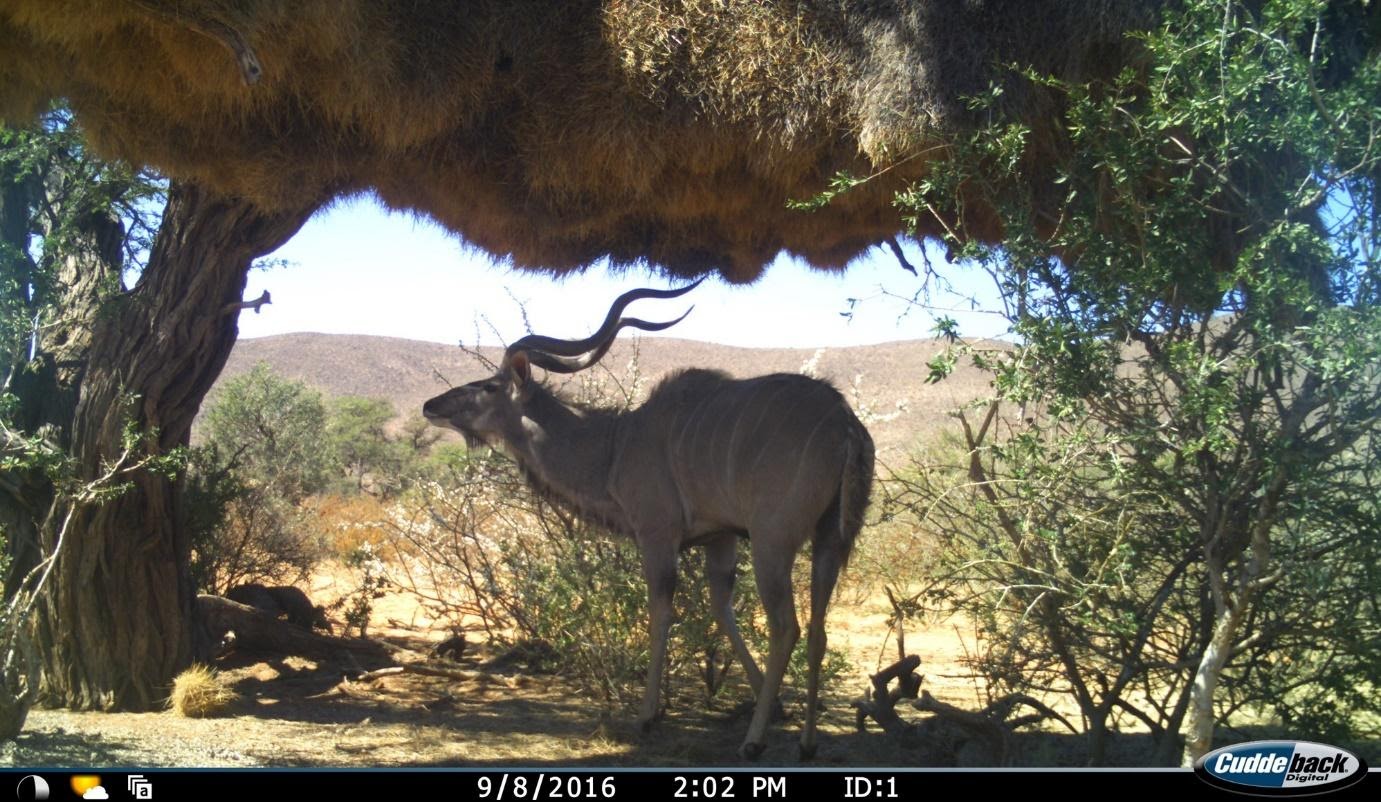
837 531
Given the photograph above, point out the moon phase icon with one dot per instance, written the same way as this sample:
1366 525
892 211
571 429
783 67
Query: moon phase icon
33 787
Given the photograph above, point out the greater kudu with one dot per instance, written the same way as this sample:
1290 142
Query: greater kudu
780 459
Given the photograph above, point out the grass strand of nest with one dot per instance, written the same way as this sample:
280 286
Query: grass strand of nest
556 134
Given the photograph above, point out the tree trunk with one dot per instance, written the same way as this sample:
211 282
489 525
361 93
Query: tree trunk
48 386
1229 609
1169 749
20 503
114 624
1098 737
1200 721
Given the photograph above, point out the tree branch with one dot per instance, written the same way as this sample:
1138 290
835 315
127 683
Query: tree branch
901 257
251 70
255 304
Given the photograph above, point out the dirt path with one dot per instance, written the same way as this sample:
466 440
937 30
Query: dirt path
298 713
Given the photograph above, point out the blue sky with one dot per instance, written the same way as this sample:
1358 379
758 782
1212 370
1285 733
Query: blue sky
356 269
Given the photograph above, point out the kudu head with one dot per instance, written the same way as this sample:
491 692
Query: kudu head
490 411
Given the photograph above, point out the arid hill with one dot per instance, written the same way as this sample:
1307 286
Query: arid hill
876 378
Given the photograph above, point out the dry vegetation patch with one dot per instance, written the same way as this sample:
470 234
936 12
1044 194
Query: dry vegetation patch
293 711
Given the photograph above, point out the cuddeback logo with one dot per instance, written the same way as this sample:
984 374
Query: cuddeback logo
1280 768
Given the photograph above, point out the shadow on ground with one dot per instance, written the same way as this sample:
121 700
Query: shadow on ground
296 713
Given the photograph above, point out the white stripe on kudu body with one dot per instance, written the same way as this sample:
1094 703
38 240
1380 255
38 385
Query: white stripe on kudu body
780 459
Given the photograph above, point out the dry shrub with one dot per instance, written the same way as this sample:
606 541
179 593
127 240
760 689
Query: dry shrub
479 548
199 692
264 539
349 522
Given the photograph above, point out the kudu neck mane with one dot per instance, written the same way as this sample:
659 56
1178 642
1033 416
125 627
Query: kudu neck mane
557 414
566 458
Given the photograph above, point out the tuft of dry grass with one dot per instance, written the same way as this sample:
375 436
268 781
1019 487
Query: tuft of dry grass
199 692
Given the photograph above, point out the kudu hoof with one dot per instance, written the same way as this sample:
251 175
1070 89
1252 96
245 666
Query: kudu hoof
646 726
807 753
751 752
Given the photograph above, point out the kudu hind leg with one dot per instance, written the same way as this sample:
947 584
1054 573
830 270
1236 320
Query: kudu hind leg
721 567
774 586
824 572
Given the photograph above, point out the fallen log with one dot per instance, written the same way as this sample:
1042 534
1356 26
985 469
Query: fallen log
429 671
881 706
256 630
986 729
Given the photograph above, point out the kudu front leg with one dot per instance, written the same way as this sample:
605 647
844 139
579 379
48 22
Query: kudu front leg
659 569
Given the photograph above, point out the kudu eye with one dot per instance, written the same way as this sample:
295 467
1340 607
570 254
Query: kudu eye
491 387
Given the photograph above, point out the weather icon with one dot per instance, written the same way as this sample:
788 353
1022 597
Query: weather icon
81 783
88 786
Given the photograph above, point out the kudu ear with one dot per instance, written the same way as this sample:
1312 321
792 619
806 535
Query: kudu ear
520 368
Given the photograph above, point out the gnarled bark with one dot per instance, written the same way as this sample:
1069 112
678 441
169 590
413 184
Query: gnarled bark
114 624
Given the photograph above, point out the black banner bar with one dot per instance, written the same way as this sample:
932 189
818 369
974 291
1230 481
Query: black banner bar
559 785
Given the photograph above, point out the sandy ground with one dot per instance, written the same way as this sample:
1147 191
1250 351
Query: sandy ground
296 712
